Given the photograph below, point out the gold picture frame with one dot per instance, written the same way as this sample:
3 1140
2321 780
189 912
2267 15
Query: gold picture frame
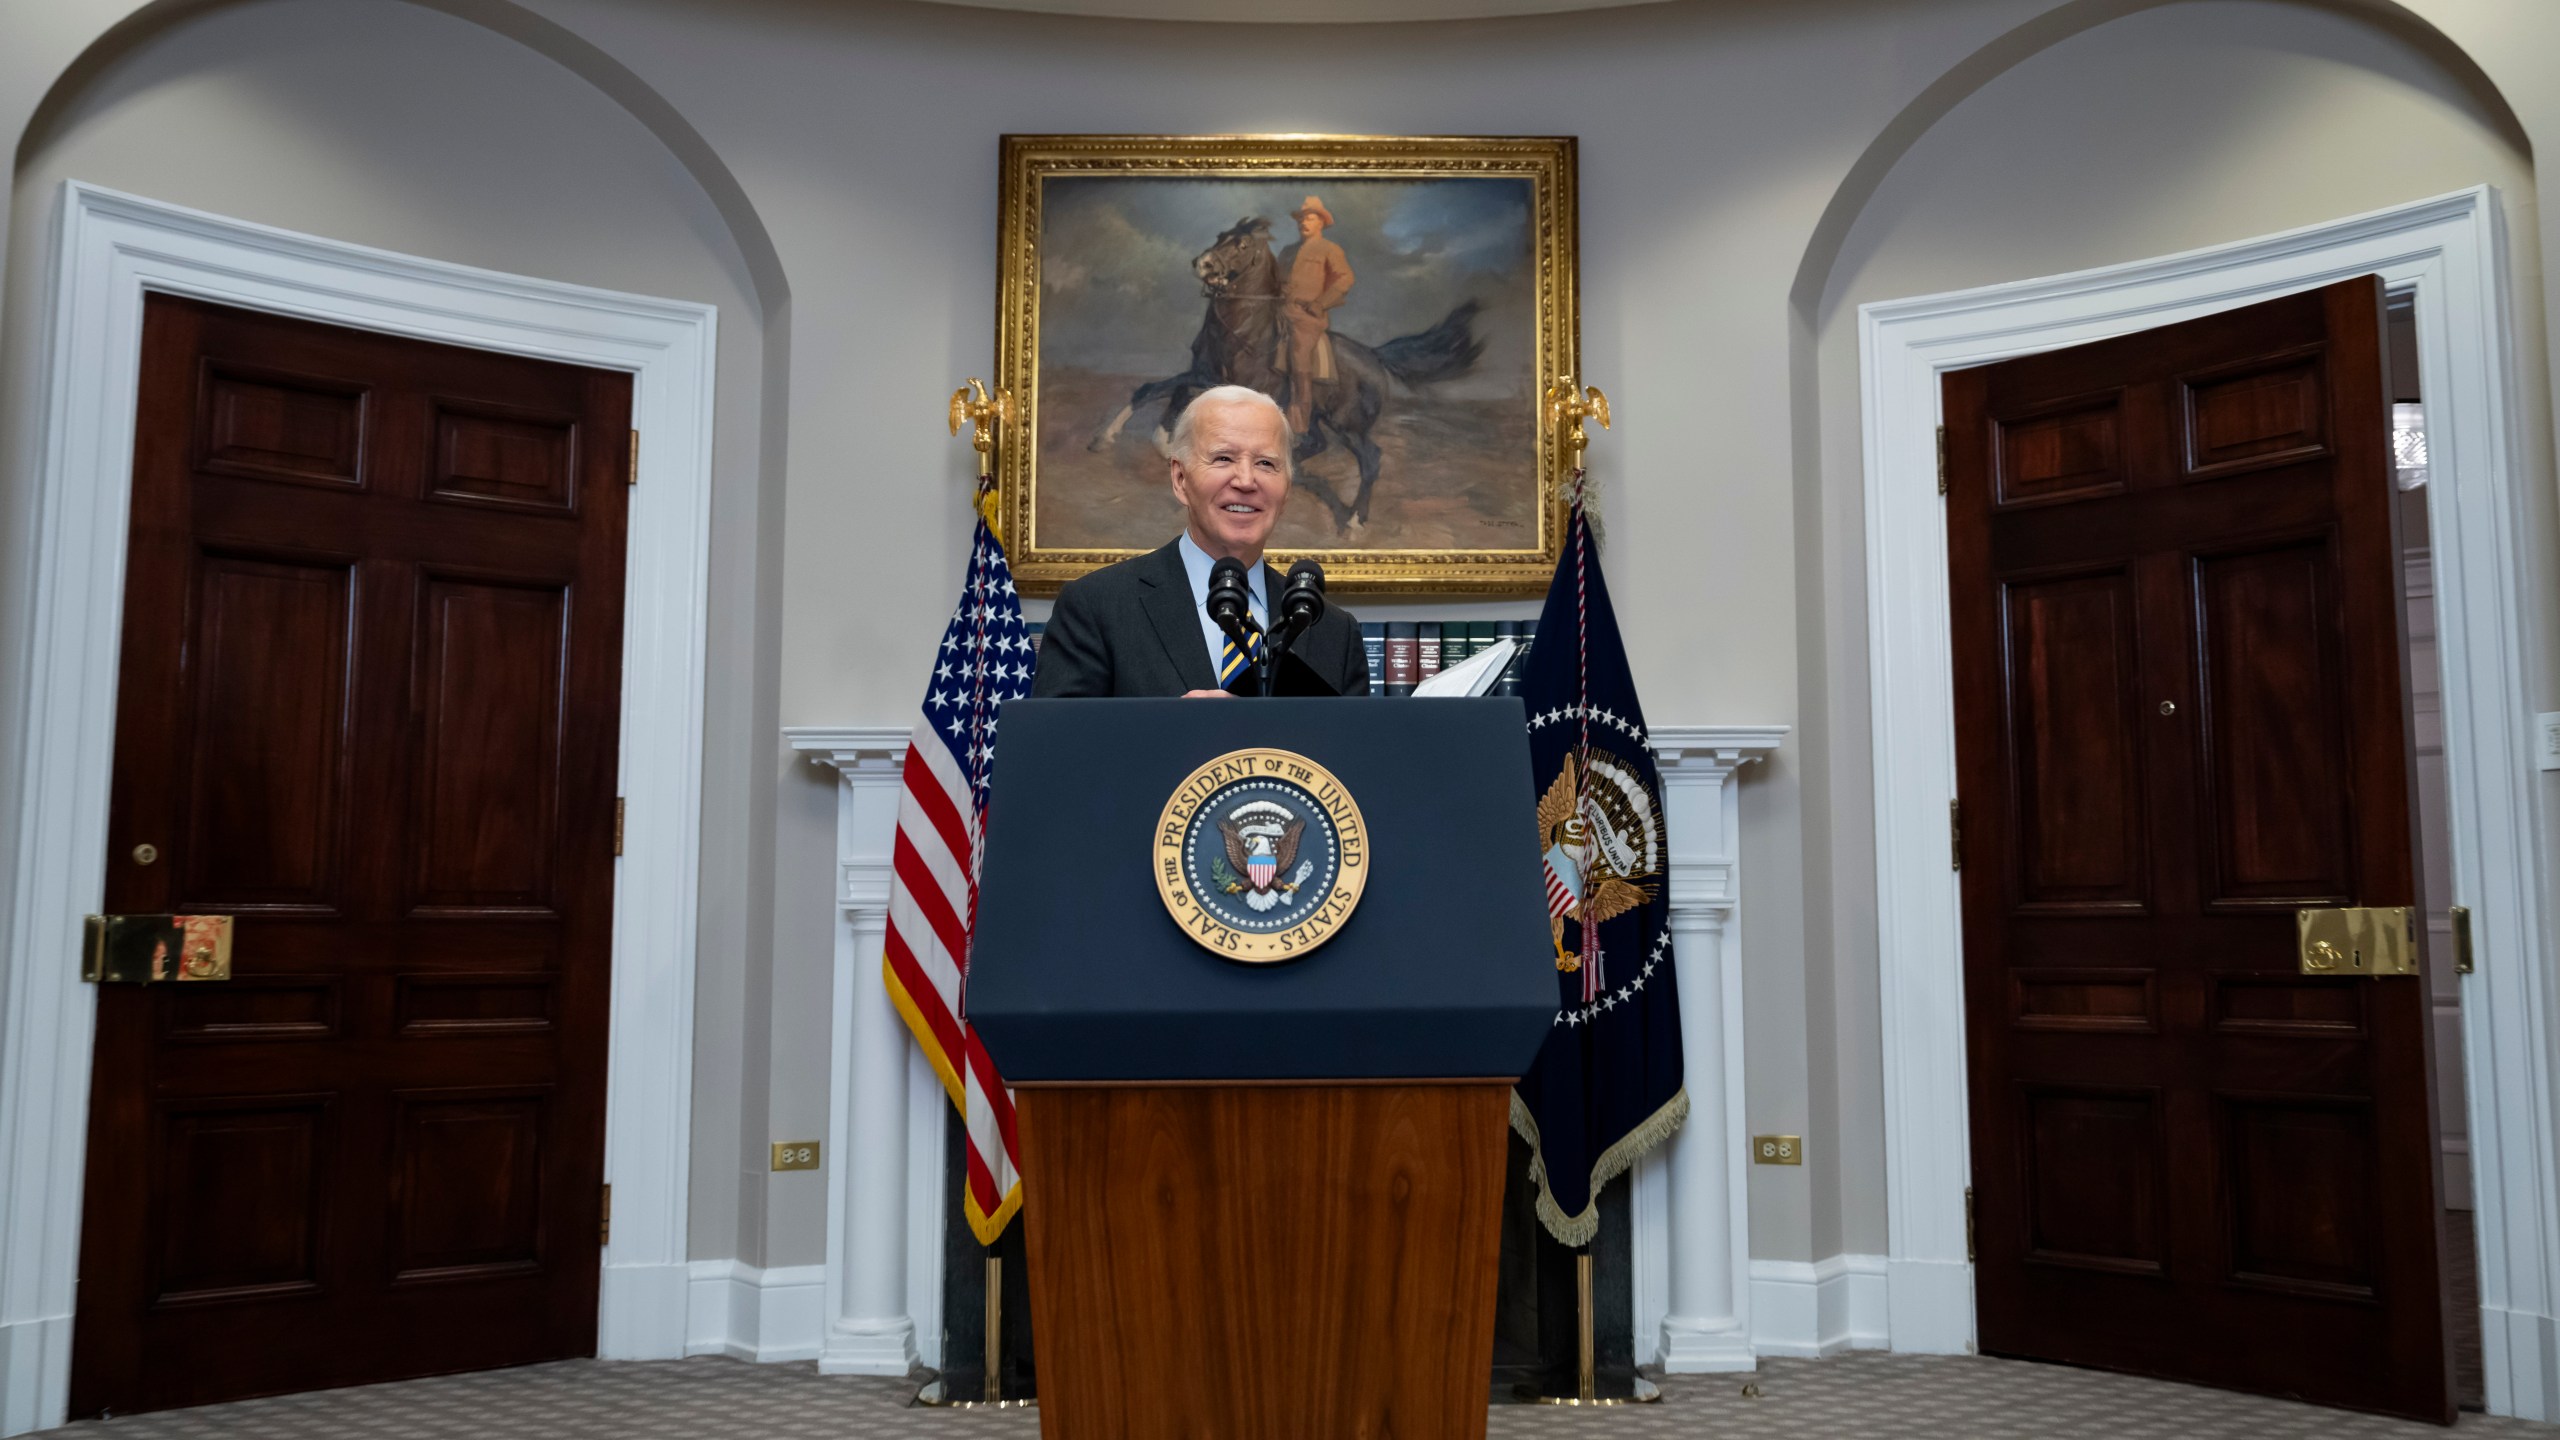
1481 228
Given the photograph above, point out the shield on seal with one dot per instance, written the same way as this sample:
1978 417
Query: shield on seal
1260 868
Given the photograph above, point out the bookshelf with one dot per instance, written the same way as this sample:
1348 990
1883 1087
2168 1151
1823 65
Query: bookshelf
1402 653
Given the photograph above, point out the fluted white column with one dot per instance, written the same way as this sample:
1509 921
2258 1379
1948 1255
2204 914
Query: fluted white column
870 1329
1708 1323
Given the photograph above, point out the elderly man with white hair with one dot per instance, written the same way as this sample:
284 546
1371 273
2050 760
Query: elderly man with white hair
1142 627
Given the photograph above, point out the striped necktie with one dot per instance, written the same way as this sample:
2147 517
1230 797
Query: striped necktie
1231 661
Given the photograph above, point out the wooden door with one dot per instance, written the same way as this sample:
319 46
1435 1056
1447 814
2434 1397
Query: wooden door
369 698
2181 715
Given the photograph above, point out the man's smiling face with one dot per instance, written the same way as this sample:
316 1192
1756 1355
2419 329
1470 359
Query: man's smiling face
1235 480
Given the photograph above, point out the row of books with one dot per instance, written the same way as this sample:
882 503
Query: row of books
1404 653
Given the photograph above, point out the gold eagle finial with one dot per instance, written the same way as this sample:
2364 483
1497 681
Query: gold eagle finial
973 404
1567 409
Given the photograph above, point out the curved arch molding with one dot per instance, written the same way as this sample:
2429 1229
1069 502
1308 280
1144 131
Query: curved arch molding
564 47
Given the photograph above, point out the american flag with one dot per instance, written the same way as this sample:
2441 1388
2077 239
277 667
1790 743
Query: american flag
986 659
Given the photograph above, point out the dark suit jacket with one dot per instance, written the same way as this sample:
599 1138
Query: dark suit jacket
1132 629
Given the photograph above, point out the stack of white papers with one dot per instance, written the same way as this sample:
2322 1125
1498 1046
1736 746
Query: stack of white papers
1475 675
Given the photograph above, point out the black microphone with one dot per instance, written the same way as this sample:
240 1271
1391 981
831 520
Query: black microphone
1230 601
1301 603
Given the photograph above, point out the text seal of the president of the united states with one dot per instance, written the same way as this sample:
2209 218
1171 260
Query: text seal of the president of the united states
1261 855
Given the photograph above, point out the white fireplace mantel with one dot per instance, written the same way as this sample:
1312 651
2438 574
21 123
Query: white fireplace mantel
885 1205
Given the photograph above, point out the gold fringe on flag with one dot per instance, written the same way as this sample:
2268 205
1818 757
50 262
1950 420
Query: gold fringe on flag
1577 1230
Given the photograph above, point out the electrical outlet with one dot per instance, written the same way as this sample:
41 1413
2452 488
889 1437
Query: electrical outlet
1777 1149
795 1154
2546 740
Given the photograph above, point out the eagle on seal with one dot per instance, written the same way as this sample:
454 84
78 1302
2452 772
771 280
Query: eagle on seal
1583 878
1262 845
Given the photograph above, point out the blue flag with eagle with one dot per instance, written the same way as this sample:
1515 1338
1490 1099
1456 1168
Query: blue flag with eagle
1606 1087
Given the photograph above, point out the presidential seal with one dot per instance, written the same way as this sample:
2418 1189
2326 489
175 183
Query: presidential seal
1261 855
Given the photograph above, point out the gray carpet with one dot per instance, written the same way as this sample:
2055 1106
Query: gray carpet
1846 1398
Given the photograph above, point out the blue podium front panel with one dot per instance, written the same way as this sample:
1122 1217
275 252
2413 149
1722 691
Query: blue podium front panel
1442 969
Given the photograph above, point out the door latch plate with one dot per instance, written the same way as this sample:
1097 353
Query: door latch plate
2372 940
148 949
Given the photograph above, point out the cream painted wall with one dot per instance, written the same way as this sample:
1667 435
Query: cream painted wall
2164 131
1721 144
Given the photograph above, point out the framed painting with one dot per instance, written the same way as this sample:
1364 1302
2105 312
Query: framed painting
1407 300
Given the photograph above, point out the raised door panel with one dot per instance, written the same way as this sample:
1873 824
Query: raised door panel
2073 716
458 1006
269 425
2303 1212
242 1197
491 658
250 1007
2274 724
2096 1178
2309 1008
2085 999
2067 451
267 665
2272 411
468 1168
492 456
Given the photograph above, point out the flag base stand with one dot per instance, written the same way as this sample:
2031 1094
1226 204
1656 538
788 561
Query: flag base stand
1587 1379
932 1395
1646 1393
937 1393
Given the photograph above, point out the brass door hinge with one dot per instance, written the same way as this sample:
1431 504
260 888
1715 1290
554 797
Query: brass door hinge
1942 459
1955 835
2461 916
618 806
604 1225
634 477
1968 1222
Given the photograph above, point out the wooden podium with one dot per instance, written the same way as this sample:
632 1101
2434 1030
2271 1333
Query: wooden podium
1260 1261
1262 1200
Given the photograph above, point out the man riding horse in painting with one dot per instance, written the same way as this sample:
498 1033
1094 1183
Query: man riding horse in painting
1319 280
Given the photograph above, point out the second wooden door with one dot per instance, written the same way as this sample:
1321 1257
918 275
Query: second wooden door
368 704
2181 718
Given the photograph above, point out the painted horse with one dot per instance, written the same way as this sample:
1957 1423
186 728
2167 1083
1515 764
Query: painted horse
1242 341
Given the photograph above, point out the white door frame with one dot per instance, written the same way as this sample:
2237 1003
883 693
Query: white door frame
110 250
2451 252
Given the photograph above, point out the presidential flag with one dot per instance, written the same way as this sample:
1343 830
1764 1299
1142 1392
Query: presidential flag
986 659
1606 1086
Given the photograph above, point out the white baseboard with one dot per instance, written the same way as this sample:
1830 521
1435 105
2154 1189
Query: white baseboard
643 1314
1930 1305
1820 1308
733 1308
2523 1352
35 1373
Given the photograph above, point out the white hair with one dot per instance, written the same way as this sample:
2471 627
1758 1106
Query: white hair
1177 446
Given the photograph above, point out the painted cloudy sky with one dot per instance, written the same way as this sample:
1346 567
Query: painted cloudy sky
1118 295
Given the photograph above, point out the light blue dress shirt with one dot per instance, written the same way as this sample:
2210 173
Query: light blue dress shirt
1196 563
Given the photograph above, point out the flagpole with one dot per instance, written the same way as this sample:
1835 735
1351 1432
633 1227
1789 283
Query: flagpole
992 1389
1568 407
984 412
1587 1378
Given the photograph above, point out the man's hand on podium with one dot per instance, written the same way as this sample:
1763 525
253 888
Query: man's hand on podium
1206 695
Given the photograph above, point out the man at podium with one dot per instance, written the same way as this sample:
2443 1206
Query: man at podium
1142 627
